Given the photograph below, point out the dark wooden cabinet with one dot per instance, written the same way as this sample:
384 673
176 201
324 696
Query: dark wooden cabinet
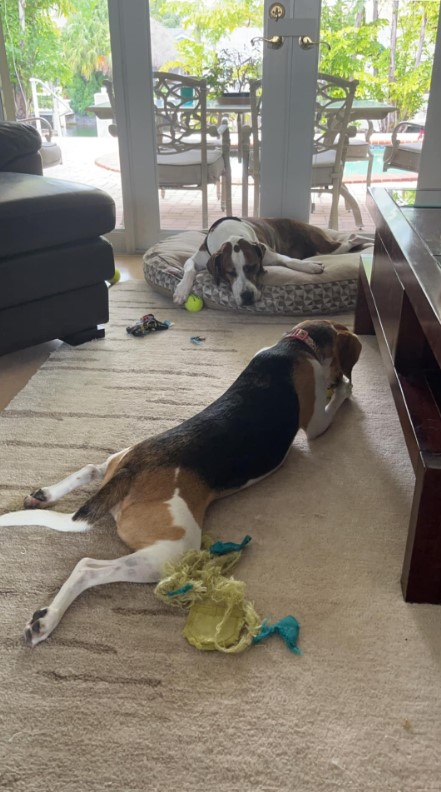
399 299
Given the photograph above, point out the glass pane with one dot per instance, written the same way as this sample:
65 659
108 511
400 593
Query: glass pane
58 64
190 41
370 45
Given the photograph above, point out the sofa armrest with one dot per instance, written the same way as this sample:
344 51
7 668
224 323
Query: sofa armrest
20 148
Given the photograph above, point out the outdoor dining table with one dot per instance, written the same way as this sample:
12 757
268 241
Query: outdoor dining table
362 110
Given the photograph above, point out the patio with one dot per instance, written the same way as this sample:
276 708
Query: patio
181 208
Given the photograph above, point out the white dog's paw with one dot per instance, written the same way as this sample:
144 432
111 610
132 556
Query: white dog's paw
314 267
180 294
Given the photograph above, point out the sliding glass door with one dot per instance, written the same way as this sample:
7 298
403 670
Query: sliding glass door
289 76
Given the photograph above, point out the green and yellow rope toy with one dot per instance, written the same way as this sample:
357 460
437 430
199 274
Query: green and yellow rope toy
219 616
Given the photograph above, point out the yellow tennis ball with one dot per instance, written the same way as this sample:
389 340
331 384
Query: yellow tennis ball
115 278
194 303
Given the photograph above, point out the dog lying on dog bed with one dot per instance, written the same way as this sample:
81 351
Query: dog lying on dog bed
283 291
236 251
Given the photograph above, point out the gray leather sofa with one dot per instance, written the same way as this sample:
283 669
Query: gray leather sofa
54 261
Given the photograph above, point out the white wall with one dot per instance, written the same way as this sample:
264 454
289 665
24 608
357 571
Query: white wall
430 167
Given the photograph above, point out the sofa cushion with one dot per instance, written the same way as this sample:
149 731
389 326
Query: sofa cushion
33 276
54 316
37 212
283 292
17 141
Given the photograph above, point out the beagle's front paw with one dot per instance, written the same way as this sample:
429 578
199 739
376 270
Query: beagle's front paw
344 389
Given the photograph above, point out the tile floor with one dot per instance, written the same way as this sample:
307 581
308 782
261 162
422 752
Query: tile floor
182 208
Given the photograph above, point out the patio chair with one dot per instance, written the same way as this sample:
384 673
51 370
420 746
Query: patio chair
113 129
402 154
250 150
334 98
359 149
50 151
186 157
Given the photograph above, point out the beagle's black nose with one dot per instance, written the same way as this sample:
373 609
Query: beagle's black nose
247 297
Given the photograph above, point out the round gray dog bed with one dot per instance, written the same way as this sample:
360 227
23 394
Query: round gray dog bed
284 291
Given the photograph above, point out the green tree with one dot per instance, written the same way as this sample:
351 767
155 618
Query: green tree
85 38
391 56
161 10
416 34
32 40
207 23
85 43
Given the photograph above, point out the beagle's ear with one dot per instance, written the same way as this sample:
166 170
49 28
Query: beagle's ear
348 351
214 267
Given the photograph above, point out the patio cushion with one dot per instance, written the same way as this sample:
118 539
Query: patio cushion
184 167
283 292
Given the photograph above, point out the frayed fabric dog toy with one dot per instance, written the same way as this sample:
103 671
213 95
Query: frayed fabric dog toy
219 616
147 324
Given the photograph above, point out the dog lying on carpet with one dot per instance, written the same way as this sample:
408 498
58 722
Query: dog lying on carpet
158 490
236 251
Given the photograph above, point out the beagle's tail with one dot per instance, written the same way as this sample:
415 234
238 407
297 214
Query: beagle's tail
97 506
106 498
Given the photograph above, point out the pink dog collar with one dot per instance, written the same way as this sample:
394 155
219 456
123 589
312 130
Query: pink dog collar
302 335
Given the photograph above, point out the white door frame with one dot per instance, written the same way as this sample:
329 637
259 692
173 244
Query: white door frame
129 24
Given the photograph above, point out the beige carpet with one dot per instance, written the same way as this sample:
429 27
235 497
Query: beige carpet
116 699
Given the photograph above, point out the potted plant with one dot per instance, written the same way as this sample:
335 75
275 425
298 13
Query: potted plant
235 70
227 72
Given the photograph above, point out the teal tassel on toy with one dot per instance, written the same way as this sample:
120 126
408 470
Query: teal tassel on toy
222 548
179 591
288 628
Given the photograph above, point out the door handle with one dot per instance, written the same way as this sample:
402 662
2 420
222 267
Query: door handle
275 42
306 42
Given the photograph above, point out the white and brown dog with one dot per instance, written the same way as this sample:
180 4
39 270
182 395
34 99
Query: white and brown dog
158 490
236 251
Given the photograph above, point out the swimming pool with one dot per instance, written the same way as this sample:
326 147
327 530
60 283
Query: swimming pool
358 169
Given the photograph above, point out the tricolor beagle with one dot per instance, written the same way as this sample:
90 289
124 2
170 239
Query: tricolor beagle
236 251
158 490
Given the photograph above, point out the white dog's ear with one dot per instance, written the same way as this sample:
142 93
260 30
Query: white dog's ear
260 249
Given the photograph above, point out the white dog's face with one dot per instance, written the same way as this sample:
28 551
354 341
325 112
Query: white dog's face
239 263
